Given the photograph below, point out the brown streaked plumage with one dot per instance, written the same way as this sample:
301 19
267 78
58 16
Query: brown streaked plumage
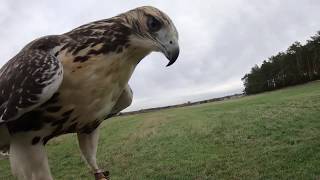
70 83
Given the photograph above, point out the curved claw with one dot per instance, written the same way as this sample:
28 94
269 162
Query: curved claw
102 175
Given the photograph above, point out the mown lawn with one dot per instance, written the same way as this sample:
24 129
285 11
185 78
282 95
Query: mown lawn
275 135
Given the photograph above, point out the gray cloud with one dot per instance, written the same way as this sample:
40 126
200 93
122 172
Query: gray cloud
220 40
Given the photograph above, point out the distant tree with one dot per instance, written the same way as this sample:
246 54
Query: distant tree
299 64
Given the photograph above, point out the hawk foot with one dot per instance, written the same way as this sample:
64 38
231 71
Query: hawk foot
102 175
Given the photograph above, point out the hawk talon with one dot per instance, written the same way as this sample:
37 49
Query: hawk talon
102 175
106 173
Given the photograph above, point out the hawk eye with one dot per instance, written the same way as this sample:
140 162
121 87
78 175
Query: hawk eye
153 24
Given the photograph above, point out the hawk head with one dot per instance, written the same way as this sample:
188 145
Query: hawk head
153 30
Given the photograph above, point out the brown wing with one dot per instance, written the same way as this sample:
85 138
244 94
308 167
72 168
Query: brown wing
26 81
123 102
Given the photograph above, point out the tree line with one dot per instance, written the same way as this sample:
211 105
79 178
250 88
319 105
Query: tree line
298 64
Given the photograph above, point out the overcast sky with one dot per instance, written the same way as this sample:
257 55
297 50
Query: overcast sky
220 40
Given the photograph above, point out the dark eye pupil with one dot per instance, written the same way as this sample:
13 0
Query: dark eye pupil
154 24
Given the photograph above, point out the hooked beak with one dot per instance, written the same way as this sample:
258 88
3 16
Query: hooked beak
171 51
168 44
172 55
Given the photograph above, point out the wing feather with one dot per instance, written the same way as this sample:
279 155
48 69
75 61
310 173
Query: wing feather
123 102
26 81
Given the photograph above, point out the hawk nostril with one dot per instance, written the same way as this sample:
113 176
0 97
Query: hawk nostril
171 42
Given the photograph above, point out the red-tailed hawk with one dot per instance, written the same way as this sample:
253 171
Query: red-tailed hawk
70 83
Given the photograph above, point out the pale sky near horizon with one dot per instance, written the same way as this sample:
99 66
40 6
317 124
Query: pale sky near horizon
219 40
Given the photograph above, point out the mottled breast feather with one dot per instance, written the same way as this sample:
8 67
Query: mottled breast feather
29 79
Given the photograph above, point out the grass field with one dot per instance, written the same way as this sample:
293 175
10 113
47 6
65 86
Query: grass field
275 135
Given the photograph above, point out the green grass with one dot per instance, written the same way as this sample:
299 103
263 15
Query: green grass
275 135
